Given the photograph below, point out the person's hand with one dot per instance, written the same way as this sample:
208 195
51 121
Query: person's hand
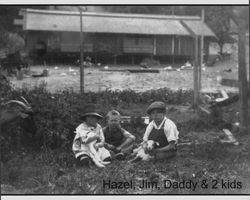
98 138
109 146
144 146
78 143
118 149
100 144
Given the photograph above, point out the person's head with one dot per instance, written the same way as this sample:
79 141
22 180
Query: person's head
91 120
113 119
157 111
90 115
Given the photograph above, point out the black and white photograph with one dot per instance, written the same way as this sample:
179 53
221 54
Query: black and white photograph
116 99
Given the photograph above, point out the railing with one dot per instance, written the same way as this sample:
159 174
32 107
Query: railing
128 119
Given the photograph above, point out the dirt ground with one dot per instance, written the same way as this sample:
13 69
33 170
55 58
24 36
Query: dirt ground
61 77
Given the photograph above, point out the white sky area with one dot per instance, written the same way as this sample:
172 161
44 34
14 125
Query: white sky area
124 2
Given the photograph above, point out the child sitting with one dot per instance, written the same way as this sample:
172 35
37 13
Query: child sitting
162 131
119 141
89 140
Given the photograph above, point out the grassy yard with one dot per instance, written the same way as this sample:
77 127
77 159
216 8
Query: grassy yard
54 171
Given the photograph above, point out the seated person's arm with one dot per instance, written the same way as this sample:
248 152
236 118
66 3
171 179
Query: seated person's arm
101 139
171 133
129 138
76 144
107 145
91 138
145 138
170 146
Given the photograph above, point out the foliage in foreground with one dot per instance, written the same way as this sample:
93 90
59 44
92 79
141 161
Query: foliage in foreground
57 114
52 169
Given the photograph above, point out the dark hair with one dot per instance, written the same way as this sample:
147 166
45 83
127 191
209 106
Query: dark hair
113 113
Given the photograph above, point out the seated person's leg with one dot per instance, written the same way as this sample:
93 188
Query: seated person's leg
128 148
83 160
104 154
165 155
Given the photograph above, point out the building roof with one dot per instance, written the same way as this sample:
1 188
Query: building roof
197 27
52 20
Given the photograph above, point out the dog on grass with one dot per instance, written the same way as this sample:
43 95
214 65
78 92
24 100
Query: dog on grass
143 151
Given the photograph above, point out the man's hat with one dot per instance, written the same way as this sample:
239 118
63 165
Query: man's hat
159 105
90 110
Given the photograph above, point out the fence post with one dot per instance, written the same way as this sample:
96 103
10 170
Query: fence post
196 74
81 56
243 84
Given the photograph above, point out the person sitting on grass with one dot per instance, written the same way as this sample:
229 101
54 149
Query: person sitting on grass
87 132
119 141
161 130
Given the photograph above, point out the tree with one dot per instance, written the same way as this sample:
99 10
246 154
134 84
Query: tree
239 15
218 18
9 13
242 13
10 34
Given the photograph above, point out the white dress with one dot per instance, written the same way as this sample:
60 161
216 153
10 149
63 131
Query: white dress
80 147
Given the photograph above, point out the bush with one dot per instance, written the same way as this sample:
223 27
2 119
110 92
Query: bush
57 115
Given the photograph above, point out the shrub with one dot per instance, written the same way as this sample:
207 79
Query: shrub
57 115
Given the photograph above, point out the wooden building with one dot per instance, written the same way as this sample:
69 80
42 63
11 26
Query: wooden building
110 37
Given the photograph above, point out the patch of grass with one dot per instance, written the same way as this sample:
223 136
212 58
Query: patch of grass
51 169
46 174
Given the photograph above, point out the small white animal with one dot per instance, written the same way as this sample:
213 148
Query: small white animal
151 145
140 154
